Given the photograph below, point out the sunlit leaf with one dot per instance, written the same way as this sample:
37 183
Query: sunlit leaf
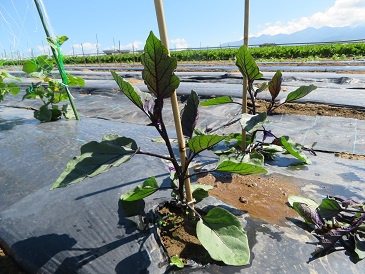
240 167
298 199
275 85
29 66
175 260
128 90
217 101
148 187
251 123
247 65
299 93
199 143
222 235
200 191
97 158
293 149
158 73
75 81
329 208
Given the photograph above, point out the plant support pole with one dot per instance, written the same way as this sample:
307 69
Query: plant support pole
175 107
58 61
244 92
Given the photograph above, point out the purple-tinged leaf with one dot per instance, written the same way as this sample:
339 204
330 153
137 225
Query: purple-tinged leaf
275 84
190 114
329 208
309 214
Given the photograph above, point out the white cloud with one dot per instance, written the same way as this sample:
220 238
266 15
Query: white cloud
179 43
342 13
137 45
87 48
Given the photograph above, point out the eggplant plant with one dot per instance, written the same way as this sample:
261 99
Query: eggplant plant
219 231
8 87
335 222
49 90
249 69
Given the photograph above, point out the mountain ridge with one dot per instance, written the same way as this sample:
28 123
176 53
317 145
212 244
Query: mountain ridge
308 35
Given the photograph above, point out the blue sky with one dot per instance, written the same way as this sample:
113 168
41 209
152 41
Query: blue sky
190 23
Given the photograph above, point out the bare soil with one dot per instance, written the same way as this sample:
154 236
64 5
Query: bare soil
262 197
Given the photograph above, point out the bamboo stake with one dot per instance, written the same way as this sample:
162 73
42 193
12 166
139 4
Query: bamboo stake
244 92
58 61
175 108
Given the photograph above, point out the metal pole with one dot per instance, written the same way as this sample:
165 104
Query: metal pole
175 107
244 92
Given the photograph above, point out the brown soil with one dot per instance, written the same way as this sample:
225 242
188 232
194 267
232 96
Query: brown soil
262 197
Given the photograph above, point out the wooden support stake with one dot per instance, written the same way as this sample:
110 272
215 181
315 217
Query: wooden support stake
175 107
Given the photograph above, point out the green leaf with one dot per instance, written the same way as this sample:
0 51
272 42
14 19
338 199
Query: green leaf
189 116
275 84
30 66
137 97
148 187
217 101
270 148
329 208
299 93
199 191
175 260
309 214
251 123
68 112
298 199
13 88
7 75
247 65
159 67
294 149
202 142
240 167
222 235
75 81
97 158
43 114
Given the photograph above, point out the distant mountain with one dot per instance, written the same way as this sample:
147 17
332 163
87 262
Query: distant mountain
308 35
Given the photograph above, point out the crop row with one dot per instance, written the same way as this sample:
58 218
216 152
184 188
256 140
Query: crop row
267 52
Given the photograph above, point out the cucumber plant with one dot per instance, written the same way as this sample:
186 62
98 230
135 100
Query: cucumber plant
8 87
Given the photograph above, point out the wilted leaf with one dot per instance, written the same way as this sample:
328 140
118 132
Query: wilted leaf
222 235
158 73
299 93
217 101
302 200
309 214
97 158
190 114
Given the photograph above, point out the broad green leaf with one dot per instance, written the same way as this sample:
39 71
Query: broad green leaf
13 88
293 149
75 81
97 158
200 191
275 84
217 101
298 199
56 42
148 187
44 63
199 143
30 66
251 123
270 148
43 114
299 93
240 167
175 260
159 67
190 113
222 235
247 65
329 208
56 114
